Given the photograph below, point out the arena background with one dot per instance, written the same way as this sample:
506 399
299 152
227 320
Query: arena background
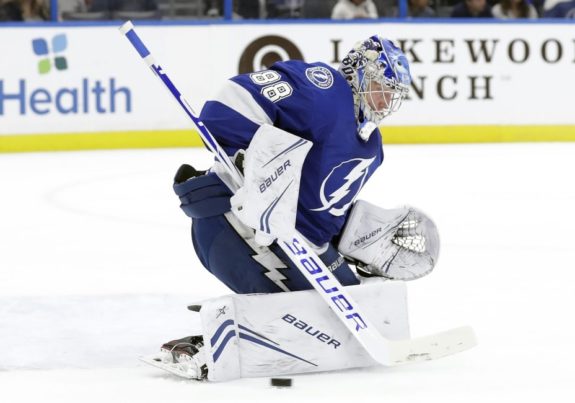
72 85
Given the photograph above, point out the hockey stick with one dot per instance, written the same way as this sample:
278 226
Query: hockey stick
386 352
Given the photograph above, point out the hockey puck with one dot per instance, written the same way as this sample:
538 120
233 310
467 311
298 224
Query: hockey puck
281 382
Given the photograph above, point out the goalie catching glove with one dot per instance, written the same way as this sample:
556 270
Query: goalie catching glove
398 244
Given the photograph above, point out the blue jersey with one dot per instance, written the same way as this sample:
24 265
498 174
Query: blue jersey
312 101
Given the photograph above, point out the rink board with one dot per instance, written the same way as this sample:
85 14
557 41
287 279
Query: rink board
83 87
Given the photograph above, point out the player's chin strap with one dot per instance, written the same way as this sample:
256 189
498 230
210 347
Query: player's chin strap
386 352
365 129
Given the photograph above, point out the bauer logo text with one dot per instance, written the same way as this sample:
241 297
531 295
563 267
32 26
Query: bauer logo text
327 285
308 329
366 237
274 176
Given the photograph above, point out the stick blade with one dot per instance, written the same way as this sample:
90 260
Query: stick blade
434 346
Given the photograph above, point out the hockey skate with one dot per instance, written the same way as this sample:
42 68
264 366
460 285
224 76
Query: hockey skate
183 357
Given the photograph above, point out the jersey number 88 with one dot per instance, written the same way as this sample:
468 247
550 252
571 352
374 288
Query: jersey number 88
265 77
278 91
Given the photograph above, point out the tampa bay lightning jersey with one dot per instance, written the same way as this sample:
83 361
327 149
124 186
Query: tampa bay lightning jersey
312 101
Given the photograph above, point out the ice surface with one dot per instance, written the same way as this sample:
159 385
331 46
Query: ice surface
96 267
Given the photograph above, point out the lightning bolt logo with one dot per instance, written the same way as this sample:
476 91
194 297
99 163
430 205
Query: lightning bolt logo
358 173
272 263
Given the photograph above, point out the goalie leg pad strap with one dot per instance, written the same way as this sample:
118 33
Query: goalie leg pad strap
292 333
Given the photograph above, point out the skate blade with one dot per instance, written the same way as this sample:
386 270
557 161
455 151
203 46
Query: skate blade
163 361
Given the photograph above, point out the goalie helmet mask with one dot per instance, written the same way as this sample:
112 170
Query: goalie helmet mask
378 73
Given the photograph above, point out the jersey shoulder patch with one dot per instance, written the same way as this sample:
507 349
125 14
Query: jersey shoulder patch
319 76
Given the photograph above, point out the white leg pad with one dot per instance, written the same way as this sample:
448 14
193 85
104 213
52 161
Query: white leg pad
294 332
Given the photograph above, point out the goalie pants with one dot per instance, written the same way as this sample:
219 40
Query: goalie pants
238 262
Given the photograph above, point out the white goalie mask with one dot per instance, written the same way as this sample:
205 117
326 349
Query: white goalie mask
378 73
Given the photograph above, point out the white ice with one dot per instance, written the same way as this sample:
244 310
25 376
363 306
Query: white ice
97 267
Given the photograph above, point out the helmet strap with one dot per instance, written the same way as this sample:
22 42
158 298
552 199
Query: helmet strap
365 129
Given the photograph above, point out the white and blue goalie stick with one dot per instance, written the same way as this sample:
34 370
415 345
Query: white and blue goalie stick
385 351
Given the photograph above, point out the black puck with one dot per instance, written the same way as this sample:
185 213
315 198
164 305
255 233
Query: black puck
281 382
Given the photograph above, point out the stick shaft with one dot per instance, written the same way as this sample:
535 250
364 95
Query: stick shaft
128 30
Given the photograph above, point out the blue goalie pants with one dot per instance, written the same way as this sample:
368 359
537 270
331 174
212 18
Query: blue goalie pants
235 261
